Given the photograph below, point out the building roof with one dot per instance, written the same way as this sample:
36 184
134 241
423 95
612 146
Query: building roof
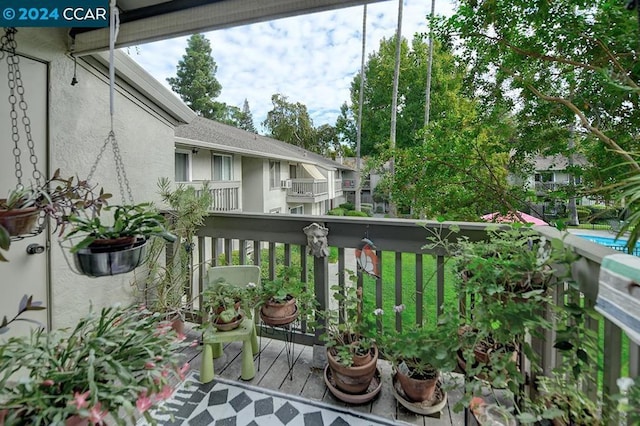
205 133
557 162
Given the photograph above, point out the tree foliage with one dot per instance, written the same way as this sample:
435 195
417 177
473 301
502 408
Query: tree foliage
376 110
245 118
195 79
557 64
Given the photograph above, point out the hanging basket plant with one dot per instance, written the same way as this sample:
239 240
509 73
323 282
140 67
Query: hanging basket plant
99 249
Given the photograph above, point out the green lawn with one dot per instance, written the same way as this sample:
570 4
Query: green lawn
409 290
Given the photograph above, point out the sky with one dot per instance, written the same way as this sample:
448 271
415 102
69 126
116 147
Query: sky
311 59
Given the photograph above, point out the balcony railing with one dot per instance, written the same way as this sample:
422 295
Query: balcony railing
225 195
337 184
549 186
280 237
308 188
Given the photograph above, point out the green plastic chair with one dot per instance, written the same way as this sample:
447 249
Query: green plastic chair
213 339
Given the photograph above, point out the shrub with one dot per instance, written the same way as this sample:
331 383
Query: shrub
347 206
367 210
336 212
356 213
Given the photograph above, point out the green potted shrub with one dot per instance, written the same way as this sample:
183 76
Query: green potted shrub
115 364
505 284
226 304
285 298
352 353
100 249
420 355
164 284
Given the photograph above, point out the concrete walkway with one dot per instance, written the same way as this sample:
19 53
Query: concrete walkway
350 264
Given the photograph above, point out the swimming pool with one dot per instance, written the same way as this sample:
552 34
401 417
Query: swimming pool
611 242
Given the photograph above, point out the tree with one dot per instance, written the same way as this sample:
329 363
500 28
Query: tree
195 79
245 118
290 122
379 71
560 64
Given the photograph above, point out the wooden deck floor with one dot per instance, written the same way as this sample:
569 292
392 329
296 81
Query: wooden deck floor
309 383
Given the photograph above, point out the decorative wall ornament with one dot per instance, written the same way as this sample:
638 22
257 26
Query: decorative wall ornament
367 258
317 240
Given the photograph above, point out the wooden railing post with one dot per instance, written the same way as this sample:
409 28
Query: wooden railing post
317 246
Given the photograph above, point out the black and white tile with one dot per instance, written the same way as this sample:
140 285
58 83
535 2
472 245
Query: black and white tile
227 403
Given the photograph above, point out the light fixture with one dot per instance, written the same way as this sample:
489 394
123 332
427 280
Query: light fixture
194 150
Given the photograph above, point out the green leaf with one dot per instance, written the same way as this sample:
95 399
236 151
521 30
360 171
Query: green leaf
563 345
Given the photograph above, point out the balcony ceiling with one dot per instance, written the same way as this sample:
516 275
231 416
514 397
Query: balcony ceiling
143 21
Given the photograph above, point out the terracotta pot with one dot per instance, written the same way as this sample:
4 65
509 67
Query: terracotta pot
19 222
227 326
273 313
354 379
418 390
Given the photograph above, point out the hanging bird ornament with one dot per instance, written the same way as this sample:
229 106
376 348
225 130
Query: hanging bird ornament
367 258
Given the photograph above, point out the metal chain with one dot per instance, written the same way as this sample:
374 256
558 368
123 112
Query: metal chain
123 181
14 81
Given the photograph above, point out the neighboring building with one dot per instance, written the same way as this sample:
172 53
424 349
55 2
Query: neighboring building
253 173
368 183
551 173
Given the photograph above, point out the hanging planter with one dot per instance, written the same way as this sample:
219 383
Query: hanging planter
98 249
109 260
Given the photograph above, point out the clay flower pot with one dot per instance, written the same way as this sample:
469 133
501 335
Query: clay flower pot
275 314
354 379
418 390
19 222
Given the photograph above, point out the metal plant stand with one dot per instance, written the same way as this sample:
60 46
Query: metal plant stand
287 331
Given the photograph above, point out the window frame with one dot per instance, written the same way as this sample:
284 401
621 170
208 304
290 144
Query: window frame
275 176
213 168
189 155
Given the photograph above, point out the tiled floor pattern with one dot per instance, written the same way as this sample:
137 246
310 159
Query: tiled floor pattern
228 403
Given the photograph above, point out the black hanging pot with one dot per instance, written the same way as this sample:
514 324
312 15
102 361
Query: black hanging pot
110 260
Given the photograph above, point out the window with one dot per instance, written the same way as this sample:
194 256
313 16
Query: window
182 166
293 169
297 210
274 174
221 167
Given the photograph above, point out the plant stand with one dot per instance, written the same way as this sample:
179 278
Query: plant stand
285 330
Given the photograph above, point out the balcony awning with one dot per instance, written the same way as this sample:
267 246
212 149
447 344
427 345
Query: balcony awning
143 21
313 171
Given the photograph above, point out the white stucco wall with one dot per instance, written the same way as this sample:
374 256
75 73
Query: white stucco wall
275 197
253 184
79 124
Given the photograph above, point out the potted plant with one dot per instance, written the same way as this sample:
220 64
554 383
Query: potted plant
504 282
420 355
100 249
57 198
226 304
284 299
352 353
164 285
117 363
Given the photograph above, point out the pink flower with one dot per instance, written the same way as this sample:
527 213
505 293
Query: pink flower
181 337
142 308
162 328
165 393
144 402
48 382
80 400
194 343
183 370
158 358
95 415
149 365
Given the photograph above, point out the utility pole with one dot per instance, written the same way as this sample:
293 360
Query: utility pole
358 204
427 104
393 211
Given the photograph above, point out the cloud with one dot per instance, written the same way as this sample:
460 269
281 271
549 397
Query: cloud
310 59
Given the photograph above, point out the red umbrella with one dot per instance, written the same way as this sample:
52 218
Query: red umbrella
513 217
